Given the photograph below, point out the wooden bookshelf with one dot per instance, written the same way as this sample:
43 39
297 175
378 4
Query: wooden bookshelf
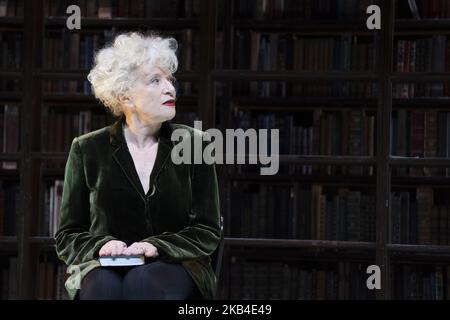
215 108
385 76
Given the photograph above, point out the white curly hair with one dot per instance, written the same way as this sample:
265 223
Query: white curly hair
115 65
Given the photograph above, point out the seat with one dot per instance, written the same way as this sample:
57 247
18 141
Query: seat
217 255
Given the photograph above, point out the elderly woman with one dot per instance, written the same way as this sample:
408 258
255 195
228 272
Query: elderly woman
124 196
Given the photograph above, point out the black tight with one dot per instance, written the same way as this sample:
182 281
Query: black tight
156 280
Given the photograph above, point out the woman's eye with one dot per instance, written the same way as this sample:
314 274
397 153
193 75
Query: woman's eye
155 80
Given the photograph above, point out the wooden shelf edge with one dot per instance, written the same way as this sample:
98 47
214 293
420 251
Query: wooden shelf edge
247 74
8 239
417 248
428 24
297 243
416 161
12 21
8 245
42 240
305 26
171 23
56 74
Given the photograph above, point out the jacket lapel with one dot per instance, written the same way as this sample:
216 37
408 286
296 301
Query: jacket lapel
122 155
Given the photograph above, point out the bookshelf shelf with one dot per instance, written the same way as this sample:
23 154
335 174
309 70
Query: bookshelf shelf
16 22
414 182
281 103
289 75
419 76
411 161
302 27
419 254
11 175
10 156
82 74
297 243
8 240
10 74
323 160
88 99
422 25
421 249
368 181
49 155
43 240
10 97
423 103
166 23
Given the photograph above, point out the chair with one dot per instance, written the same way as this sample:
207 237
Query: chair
217 255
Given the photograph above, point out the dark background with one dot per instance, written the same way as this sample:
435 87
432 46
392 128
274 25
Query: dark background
364 137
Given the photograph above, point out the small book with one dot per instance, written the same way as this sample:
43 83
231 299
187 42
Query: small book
119 261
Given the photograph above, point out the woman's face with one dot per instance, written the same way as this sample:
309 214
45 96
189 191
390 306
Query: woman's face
153 95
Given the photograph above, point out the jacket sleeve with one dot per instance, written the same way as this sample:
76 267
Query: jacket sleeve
202 236
74 243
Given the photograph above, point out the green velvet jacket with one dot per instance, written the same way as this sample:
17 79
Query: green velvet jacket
103 200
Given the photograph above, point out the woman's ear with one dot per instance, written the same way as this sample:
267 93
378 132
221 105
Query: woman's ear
125 100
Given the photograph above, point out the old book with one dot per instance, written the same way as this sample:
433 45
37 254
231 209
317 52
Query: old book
121 260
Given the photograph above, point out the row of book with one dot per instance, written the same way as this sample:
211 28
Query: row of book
319 131
414 133
9 277
307 9
291 51
107 9
9 133
11 8
421 282
11 50
345 52
294 211
420 133
49 220
297 281
420 216
63 125
300 212
11 85
422 55
9 207
351 132
75 50
420 9
284 211
337 281
50 279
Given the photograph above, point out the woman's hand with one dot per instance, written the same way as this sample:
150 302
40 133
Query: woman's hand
144 248
113 248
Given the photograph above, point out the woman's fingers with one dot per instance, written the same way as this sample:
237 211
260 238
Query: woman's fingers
105 251
112 248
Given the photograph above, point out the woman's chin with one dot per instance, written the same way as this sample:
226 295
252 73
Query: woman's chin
170 115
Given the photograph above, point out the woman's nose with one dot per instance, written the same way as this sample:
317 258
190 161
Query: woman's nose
168 88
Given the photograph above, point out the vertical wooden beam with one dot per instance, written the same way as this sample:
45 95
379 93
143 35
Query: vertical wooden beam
206 64
33 24
383 189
